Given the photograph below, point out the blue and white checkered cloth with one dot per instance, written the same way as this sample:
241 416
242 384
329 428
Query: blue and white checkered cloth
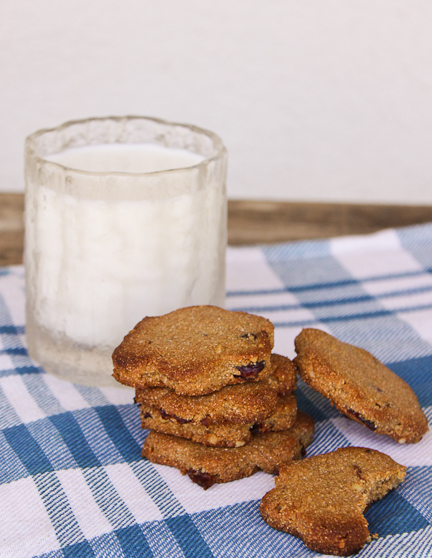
73 484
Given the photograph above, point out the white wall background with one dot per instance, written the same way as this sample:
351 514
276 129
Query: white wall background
315 99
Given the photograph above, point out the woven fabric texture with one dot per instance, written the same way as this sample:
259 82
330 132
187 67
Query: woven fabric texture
73 484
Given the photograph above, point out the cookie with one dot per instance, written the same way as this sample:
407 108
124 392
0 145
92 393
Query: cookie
195 350
322 499
360 386
225 434
206 466
246 403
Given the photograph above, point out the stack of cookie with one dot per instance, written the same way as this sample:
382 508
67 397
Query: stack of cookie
219 405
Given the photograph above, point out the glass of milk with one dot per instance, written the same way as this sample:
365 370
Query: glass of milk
124 218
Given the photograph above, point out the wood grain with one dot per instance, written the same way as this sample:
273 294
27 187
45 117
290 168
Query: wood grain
253 222
11 228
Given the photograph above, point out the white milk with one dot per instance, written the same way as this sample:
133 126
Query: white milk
130 158
97 267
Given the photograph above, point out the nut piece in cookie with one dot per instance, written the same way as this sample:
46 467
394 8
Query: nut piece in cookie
245 403
195 350
206 466
224 434
322 499
360 386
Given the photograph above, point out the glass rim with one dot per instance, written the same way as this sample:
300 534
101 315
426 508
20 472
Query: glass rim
30 150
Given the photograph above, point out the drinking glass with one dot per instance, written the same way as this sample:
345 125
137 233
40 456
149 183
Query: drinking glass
108 243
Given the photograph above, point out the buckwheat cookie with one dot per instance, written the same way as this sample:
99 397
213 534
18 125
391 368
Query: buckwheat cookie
195 350
360 386
206 466
224 434
246 403
322 499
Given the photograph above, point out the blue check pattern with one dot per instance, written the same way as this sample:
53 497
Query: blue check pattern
73 483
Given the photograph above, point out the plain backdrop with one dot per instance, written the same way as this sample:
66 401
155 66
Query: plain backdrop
315 99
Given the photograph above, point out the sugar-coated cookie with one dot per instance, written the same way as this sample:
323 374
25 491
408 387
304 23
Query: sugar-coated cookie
224 434
322 499
360 386
195 350
247 403
205 465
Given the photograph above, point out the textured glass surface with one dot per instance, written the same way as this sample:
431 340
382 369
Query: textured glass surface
104 250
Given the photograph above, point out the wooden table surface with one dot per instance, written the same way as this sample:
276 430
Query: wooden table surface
253 222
